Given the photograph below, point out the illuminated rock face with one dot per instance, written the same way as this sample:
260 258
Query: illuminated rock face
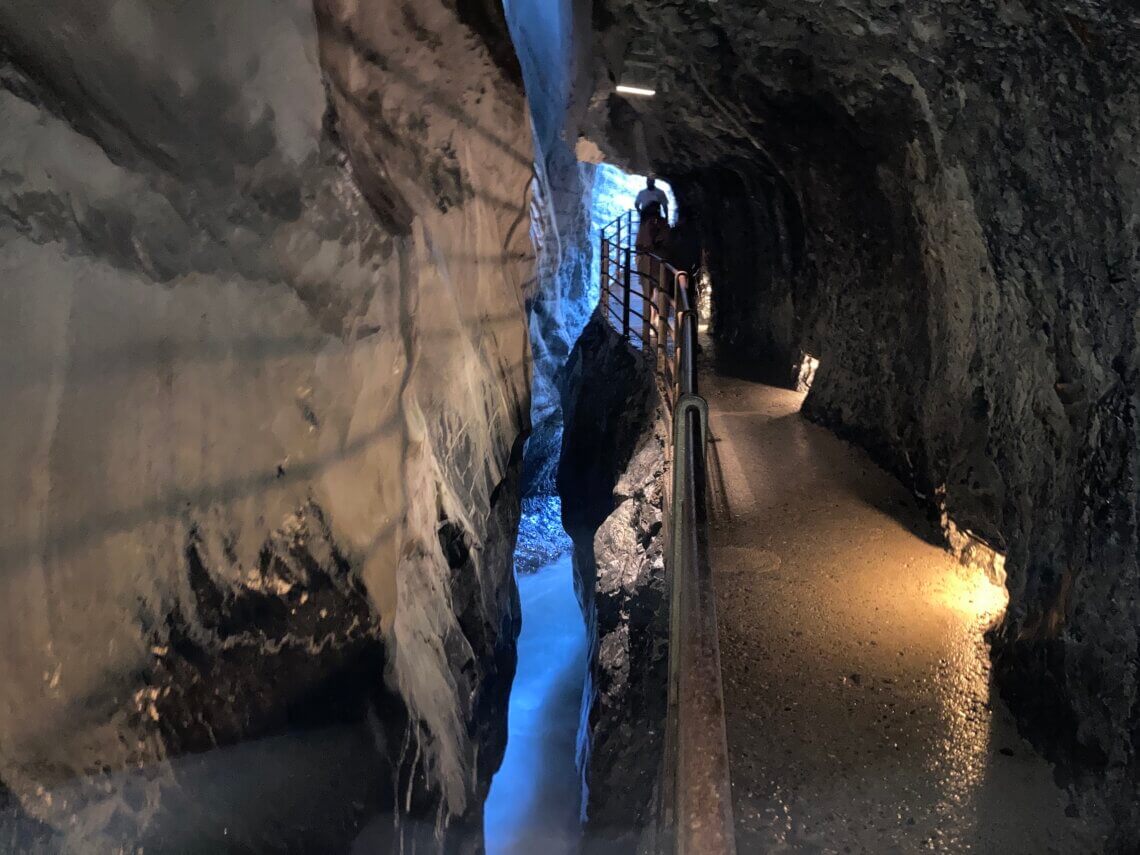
265 349
939 201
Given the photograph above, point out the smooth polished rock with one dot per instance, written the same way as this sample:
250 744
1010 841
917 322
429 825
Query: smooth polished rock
265 346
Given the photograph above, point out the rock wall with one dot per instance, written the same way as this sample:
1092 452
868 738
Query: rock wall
564 299
939 201
265 274
542 31
611 480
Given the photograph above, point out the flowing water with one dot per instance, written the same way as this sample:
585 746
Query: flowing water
535 798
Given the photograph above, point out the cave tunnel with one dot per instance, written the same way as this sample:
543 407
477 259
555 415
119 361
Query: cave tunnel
340 514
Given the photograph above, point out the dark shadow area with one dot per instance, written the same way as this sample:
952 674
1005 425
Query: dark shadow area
764 368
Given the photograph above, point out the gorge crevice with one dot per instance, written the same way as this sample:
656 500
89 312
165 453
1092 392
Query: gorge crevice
296 320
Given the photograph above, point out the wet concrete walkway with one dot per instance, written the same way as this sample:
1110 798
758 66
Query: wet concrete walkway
860 712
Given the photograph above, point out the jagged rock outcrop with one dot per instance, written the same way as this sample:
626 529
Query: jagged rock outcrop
560 228
265 271
565 289
630 668
611 479
939 201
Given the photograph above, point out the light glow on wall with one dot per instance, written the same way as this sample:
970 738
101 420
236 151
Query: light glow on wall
805 374
971 593
978 590
626 89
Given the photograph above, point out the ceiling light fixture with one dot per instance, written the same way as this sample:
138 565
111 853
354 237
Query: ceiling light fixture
636 90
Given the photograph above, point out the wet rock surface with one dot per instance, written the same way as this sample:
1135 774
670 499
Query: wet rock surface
559 226
611 478
266 269
938 201
564 298
630 669
541 537
608 394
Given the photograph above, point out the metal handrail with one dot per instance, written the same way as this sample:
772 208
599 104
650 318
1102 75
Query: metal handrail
695 810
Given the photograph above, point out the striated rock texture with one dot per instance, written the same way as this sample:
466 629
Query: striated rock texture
265 355
561 230
939 201
611 479
560 227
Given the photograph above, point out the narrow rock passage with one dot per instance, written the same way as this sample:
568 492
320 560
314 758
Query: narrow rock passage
860 713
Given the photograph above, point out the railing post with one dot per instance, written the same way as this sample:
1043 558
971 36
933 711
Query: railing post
604 296
617 260
648 299
661 307
678 332
634 266
627 283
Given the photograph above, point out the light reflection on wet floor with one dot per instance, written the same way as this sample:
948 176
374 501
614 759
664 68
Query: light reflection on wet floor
860 711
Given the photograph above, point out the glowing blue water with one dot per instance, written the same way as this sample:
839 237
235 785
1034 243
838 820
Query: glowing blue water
535 797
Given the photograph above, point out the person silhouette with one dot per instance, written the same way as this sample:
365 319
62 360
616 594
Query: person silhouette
652 240
652 201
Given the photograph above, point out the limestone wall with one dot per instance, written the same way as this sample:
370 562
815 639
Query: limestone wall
265 363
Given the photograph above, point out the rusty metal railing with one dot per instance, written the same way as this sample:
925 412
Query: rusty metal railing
695 809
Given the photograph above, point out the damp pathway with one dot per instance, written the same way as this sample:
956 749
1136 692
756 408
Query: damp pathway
860 712
535 800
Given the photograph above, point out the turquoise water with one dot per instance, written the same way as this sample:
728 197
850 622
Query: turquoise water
535 800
